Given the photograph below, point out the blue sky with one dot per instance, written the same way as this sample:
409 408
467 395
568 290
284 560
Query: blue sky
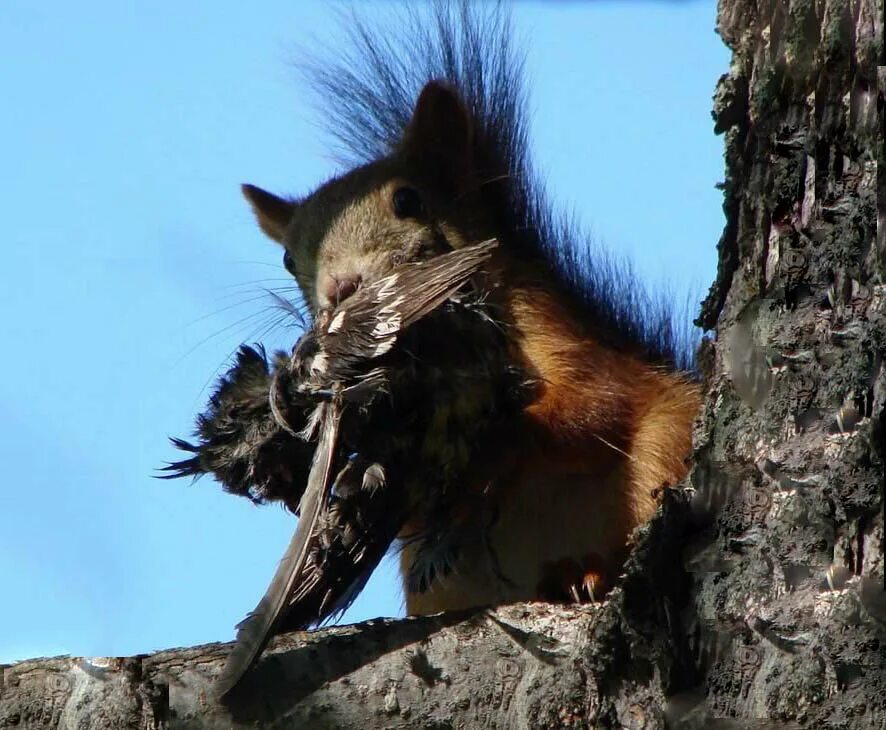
132 270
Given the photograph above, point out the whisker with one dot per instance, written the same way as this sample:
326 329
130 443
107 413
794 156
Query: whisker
243 302
296 302
287 279
287 306
215 334
256 263
227 362
271 327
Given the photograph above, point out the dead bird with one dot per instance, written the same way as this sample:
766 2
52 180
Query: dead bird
381 408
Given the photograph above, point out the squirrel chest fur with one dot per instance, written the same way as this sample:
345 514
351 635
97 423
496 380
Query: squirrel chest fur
557 491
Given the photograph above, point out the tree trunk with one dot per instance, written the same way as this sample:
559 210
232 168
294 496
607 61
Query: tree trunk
757 592
787 590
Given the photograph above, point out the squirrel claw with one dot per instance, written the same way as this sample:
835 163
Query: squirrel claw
571 580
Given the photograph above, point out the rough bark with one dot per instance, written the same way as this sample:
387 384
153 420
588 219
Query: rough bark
755 598
787 590
413 673
523 666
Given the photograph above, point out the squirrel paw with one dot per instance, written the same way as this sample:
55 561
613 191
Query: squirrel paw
571 580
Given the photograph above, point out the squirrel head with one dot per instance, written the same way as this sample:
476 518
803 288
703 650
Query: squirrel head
420 201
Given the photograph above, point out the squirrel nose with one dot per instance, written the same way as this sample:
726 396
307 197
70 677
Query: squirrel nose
335 289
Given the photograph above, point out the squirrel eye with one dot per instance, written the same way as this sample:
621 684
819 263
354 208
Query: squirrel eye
289 263
407 203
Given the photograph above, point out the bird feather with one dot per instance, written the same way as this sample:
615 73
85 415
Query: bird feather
256 629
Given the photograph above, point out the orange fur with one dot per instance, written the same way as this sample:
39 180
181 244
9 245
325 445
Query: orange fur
578 471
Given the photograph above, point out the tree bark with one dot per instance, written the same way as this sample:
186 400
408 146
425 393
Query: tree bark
521 666
755 598
787 590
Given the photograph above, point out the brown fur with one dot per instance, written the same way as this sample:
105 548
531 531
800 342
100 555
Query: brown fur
606 431
576 473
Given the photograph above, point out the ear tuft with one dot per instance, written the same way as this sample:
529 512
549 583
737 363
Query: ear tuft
439 137
272 213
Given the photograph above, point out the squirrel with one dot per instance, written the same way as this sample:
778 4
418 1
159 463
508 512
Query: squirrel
437 127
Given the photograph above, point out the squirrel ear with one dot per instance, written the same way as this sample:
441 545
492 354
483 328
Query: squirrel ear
439 137
272 213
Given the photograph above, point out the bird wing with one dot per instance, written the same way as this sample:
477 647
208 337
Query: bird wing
256 629
416 289
363 517
365 326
